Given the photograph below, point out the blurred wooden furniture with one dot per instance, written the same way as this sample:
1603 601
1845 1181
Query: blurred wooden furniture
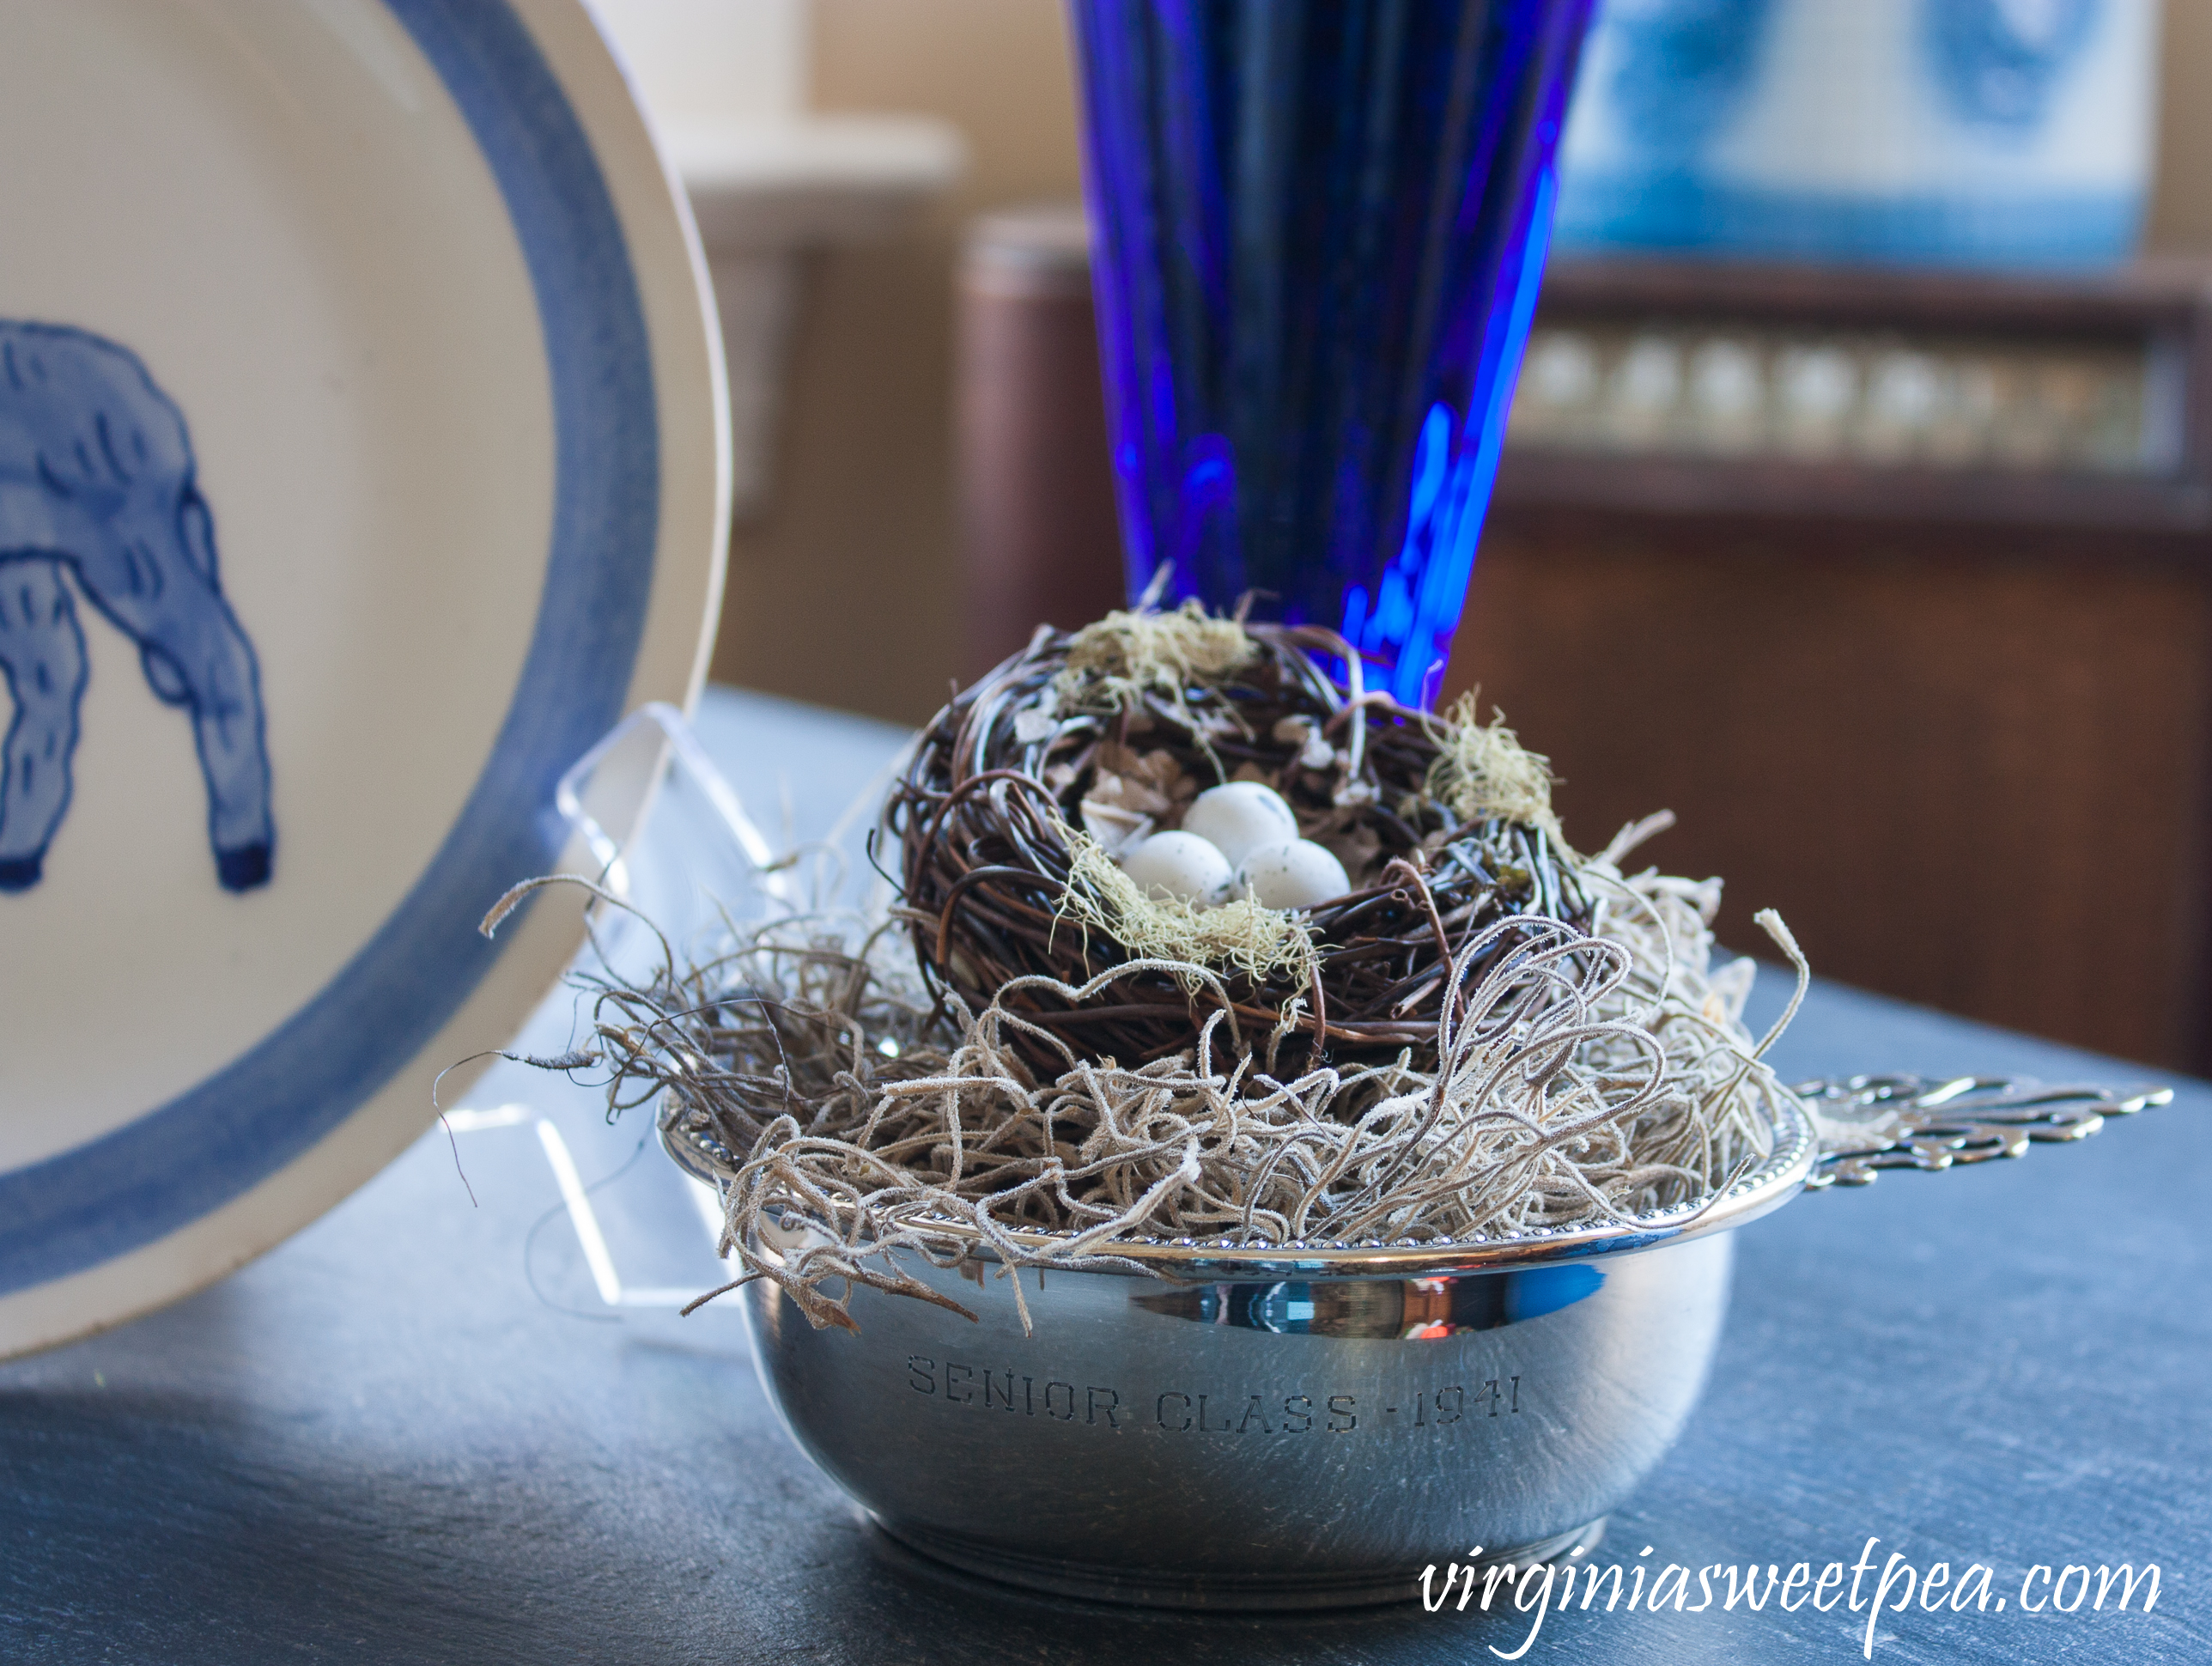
1898 589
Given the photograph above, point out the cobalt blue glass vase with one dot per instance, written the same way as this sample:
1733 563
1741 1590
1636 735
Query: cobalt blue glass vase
1320 225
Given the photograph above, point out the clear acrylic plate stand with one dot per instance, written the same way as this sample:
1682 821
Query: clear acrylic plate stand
693 866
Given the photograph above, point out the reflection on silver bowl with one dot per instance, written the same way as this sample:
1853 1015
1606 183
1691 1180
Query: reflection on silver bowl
1289 1442
1310 1424
1284 1427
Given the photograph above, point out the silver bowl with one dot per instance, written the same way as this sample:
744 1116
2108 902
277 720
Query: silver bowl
1309 1425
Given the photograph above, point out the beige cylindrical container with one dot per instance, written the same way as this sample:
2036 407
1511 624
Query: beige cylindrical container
1040 541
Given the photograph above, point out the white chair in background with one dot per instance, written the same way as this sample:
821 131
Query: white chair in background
727 83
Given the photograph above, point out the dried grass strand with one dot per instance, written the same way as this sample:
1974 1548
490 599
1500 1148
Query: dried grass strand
1584 1076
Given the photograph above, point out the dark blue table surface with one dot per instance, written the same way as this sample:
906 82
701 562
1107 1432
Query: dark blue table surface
415 1432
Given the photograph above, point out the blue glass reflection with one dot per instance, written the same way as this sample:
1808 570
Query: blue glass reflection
1425 1309
1320 232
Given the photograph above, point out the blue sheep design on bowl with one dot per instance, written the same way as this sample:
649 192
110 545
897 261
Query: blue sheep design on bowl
97 486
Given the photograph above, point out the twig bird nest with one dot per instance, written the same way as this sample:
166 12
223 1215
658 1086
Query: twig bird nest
1486 1031
1022 789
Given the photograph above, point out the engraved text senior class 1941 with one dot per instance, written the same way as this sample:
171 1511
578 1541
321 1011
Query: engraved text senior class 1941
981 1388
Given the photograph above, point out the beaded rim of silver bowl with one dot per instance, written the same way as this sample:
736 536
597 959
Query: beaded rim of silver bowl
1761 1189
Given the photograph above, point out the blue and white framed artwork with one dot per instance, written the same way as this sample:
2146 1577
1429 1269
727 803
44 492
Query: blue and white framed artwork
1983 132
360 464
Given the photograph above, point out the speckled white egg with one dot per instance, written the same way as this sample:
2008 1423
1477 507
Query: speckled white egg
1239 817
1180 865
1292 873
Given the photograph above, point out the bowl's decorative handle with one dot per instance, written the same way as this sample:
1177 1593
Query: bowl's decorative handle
1869 1123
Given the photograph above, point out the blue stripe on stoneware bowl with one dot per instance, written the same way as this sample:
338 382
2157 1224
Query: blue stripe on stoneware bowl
189 1157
